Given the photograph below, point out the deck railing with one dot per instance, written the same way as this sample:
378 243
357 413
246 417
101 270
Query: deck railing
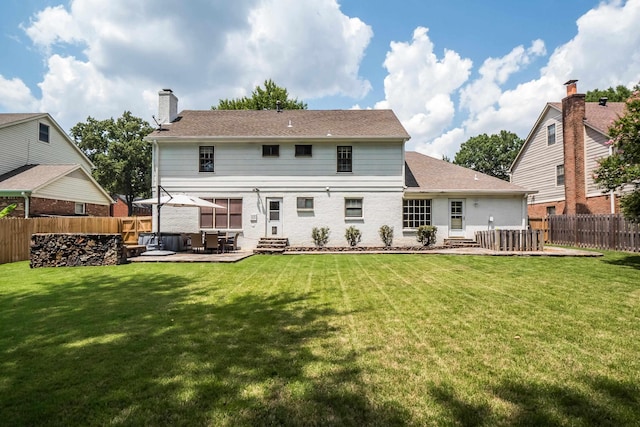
511 240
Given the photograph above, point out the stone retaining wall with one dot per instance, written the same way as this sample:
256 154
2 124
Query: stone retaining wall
72 250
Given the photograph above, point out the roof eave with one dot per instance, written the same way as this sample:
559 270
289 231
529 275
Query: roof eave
468 191
201 138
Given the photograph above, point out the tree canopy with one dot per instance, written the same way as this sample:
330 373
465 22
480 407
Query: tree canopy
619 94
121 157
263 99
622 168
490 154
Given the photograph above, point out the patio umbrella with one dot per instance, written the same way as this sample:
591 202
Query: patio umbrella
178 200
181 200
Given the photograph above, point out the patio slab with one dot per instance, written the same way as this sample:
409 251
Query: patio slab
228 257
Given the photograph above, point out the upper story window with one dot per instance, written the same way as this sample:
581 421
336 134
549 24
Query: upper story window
551 134
206 159
353 208
345 159
560 175
270 150
43 134
416 213
303 150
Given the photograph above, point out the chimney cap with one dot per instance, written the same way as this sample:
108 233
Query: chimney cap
603 101
167 90
570 82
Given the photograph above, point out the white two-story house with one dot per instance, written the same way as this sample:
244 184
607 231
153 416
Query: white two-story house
280 173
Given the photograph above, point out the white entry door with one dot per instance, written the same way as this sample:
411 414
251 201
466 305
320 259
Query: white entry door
274 217
456 217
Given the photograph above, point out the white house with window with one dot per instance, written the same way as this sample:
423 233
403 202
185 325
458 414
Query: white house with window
43 172
280 173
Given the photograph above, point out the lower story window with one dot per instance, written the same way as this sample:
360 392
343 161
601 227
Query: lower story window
416 213
80 209
227 217
305 203
353 208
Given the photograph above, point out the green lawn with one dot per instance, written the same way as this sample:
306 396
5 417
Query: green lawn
324 340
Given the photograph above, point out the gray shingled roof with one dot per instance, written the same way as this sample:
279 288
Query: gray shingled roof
428 174
286 124
32 177
8 118
598 116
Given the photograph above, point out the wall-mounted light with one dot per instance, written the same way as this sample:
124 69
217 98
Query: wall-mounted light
257 190
328 189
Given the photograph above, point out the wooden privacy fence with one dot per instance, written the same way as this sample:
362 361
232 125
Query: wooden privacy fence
15 233
511 240
611 232
540 224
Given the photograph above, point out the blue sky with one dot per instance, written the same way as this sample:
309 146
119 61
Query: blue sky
449 69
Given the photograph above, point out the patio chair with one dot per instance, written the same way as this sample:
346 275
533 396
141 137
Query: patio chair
211 242
196 242
231 244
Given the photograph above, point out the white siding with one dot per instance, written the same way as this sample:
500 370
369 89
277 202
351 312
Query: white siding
596 148
536 169
21 146
245 159
76 187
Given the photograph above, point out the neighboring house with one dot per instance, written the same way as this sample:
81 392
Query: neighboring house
44 172
281 173
560 154
120 208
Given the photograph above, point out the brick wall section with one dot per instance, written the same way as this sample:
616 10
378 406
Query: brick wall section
573 115
40 207
593 205
18 212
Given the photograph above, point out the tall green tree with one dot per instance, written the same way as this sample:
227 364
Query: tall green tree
622 168
490 154
263 99
619 94
121 157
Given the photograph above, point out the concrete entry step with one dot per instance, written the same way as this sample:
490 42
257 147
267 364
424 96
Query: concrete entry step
271 245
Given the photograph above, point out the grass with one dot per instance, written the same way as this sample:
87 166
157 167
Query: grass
324 340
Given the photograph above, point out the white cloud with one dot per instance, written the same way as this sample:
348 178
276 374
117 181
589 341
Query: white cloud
15 96
603 53
107 56
419 86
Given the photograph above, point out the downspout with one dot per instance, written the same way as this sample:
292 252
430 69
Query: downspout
26 203
612 195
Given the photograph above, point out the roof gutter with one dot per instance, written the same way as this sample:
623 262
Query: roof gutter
469 191
255 139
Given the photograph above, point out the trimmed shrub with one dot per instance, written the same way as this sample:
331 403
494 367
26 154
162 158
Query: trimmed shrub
320 236
427 234
386 234
353 236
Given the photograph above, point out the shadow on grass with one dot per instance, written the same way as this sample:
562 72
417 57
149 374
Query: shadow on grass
599 401
632 261
157 351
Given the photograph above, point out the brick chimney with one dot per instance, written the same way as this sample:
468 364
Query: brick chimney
167 106
573 116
